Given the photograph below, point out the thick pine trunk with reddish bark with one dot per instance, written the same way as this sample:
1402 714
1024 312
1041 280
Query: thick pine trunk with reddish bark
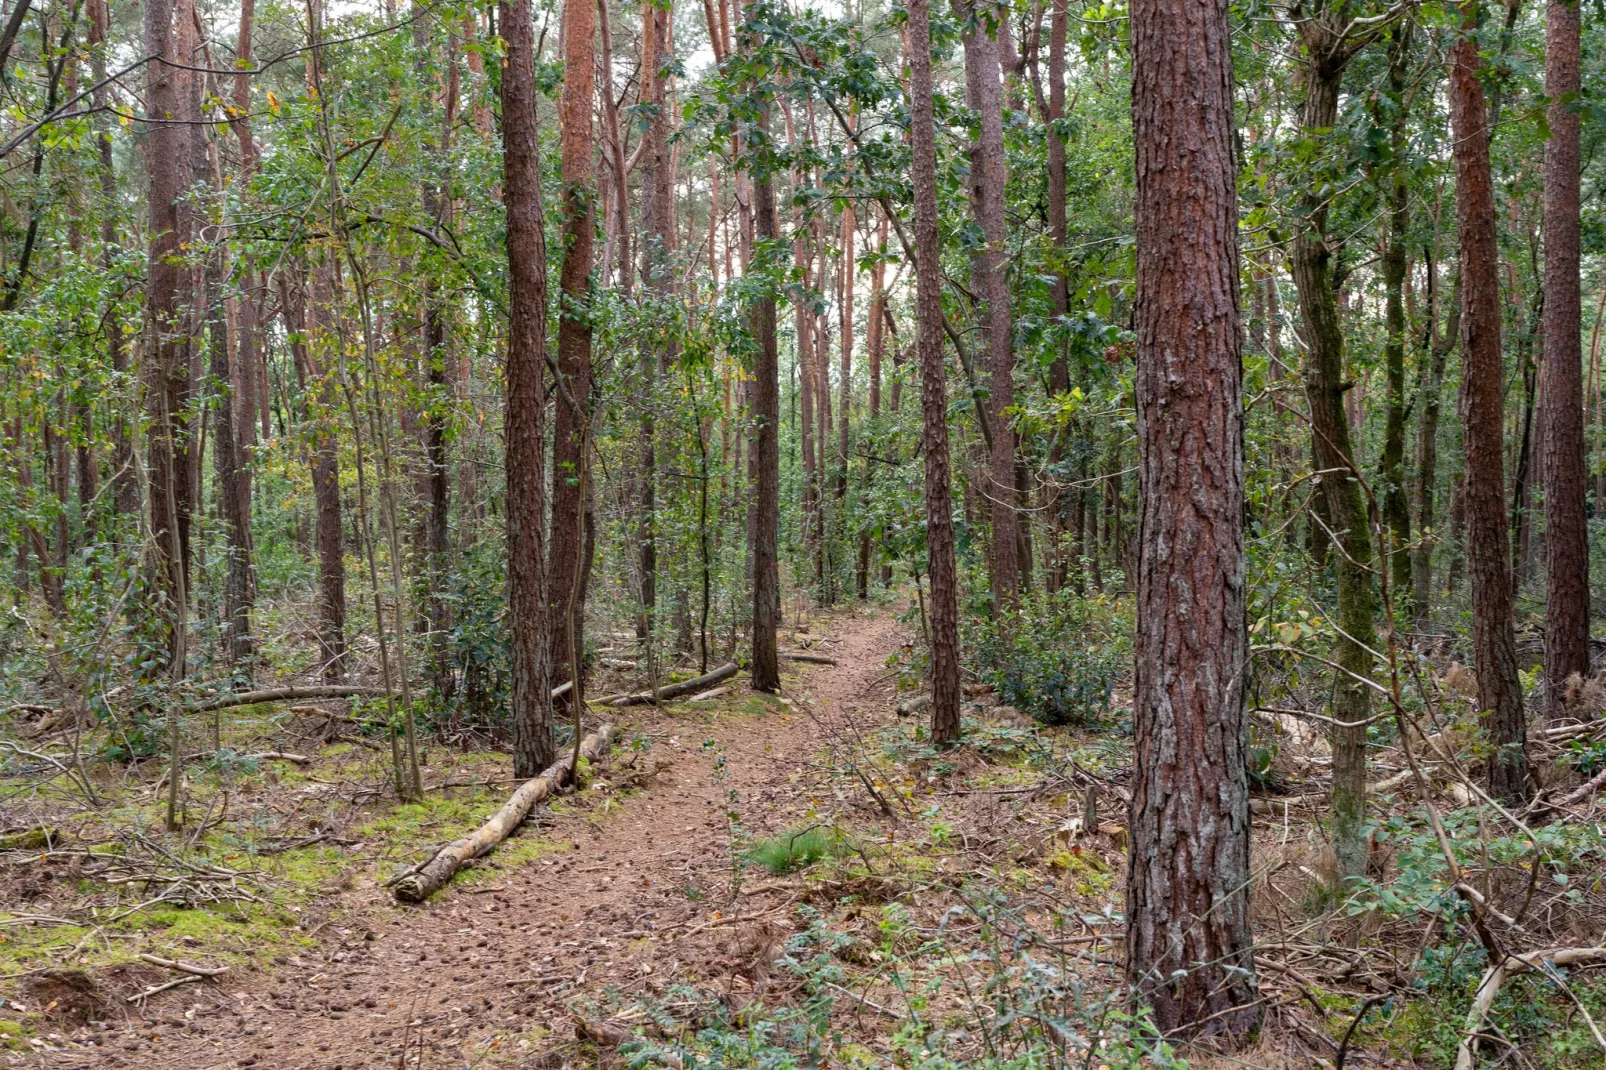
766 459
523 418
166 371
1188 933
940 567
1488 551
572 410
1566 524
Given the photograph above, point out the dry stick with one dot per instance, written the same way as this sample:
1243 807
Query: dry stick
812 659
187 979
418 885
184 967
1496 975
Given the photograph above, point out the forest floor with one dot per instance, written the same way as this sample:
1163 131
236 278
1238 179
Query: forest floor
629 890
754 880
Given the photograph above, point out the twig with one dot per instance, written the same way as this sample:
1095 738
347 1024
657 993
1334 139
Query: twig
187 979
183 967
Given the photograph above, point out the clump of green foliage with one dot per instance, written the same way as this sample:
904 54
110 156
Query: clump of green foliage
1056 657
798 848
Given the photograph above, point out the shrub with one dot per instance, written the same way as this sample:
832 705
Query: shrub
1055 658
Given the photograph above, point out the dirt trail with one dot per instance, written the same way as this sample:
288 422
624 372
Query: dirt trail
640 897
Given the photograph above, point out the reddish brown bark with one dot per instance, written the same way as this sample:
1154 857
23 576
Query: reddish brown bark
1188 935
1566 523
766 455
322 418
572 411
1488 552
943 607
524 419
166 371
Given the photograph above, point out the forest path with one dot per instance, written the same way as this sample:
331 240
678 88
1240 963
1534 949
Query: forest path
639 892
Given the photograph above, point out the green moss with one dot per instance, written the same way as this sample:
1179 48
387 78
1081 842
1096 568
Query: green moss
13 1035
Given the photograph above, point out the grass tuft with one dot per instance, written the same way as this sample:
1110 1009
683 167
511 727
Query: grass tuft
798 848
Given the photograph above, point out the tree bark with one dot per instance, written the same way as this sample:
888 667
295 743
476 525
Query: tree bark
1188 933
301 314
1059 374
572 410
1566 522
984 91
1396 501
166 371
524 417
1429 393
1325 388
766 454
1488 551
940 566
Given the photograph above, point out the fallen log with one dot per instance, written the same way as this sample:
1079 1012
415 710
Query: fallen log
428 878
279 756
813 659
1578 796
673 691
1496 975
287 694
710 694
1276 805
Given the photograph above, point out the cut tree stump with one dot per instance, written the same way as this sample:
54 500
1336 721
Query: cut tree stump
673 691
424 881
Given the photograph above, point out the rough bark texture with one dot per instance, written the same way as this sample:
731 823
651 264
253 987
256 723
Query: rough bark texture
166 372
1059 373
1325 388
1396 501
234 503
991 282
940 567
1429 395
523 420
322 416
1187 906
766 460
572 408
1488 553
1566 524
657 213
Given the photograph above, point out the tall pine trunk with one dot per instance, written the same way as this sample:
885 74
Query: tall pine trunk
940 566
1327 54
984 91
1188 934
1566 523
1488 551
524 416
572 411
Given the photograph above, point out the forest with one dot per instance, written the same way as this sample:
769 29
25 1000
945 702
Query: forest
1017 534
